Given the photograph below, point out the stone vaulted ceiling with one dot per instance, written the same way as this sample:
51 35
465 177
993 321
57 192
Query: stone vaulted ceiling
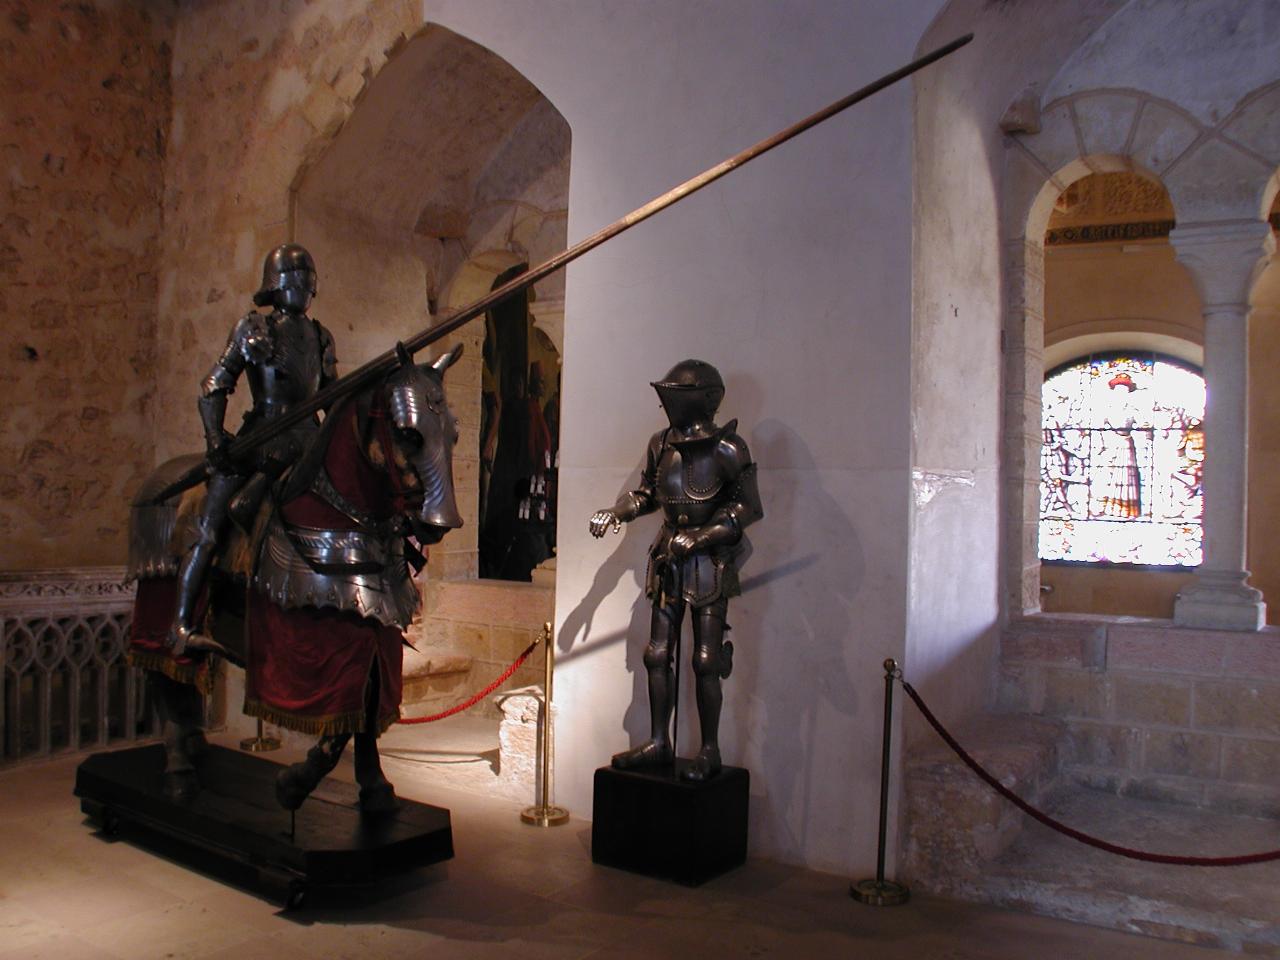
412 152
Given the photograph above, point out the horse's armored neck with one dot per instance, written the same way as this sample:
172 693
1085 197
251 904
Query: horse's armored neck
347 487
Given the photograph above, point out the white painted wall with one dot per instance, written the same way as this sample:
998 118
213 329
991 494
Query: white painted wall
793 277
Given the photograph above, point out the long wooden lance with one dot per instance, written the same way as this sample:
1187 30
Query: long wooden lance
385 363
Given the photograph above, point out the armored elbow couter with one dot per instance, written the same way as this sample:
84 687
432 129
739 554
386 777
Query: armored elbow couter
630 505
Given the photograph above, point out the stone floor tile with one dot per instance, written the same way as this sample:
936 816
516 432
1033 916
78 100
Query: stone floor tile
512 890
21 928
176 932
59 946
77 904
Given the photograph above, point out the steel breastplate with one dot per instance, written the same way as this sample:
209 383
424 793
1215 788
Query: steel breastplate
286 364
690 482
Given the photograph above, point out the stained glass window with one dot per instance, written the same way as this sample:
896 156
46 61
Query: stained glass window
1122 462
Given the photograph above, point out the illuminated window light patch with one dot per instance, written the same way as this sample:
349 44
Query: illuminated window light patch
1122 465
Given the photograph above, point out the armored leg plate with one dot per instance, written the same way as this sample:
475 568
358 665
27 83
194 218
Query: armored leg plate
234 829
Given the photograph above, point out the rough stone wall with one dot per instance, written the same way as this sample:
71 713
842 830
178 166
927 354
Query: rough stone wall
85 98
259 91
1180 716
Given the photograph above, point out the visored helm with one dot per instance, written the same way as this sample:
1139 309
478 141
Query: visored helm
690 392
288 274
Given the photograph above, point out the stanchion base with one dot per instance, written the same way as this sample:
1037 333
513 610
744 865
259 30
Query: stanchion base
879 893
259 744
548 816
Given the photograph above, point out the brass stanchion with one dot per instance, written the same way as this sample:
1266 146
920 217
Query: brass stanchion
881 892
261 743
544 814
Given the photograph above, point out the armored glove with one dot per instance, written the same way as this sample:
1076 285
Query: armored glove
602 520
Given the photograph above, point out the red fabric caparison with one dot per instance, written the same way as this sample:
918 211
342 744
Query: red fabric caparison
347 464
308 668
154 605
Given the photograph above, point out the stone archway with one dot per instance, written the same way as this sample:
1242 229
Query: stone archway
451 168
1216 176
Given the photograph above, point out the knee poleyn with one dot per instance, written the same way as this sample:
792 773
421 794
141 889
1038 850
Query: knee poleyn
706 663
656 657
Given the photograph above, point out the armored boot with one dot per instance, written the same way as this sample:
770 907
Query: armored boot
707 763
377 795
183 636
712 660
181 715
656 751
195 567
295 782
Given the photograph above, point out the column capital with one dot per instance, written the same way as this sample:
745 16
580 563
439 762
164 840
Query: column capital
1221 258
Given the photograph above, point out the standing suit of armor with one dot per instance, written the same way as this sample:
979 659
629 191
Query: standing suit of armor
287 357
701 477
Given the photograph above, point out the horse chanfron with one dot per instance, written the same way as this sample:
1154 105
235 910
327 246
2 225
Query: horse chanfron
425 432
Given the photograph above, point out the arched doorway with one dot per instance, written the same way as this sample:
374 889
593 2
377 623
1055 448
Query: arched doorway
1122 313
1218 242
452 169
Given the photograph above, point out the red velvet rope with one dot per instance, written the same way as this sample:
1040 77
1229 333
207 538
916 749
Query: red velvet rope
1062 828
472 701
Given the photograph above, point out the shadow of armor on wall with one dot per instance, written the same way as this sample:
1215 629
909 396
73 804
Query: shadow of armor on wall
287 358
701 477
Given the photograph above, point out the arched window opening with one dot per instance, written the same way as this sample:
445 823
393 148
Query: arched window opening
1122 461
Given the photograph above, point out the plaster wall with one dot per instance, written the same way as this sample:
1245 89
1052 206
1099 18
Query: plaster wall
84 106
791 276
957 303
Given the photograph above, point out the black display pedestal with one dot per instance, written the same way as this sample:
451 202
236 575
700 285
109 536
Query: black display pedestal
651 822
235 829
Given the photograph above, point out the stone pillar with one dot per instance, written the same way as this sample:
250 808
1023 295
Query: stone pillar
1221 259
1023 347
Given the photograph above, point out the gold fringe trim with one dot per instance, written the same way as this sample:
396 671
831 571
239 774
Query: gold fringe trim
323 726
197 675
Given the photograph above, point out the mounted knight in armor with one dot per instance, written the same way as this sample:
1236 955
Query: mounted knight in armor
287 357
311 588
702 478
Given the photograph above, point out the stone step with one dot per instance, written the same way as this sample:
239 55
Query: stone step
1041 871
955 822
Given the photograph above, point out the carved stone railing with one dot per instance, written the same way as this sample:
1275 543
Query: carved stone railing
65 684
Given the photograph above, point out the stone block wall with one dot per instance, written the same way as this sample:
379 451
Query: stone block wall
1154 711
485 622
86 96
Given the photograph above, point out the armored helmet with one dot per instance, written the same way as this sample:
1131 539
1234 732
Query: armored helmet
287 267
691 393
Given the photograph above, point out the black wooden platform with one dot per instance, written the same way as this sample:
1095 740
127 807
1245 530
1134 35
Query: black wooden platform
235 828
651 822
